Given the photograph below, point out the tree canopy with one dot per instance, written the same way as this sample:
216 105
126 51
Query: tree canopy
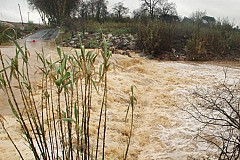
55 11
119 10
94 9
156 8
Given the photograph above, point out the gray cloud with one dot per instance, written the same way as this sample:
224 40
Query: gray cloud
217 8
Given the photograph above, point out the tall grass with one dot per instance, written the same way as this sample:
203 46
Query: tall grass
7 31
57 125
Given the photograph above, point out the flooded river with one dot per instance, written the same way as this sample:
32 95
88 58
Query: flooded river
10 51
161 129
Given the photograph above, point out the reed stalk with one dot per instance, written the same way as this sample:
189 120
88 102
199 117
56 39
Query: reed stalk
57 125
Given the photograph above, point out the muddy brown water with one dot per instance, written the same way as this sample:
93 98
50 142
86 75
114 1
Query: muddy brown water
161 130
9 51
49 48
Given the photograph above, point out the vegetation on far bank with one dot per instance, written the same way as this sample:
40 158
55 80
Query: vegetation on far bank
157 28
156 24
194 39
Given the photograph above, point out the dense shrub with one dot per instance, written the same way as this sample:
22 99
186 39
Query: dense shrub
155 37
234 41
196 40
212 42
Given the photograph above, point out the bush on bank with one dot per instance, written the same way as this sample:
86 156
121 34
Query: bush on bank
196 41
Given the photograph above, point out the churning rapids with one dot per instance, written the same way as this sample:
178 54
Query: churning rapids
161 129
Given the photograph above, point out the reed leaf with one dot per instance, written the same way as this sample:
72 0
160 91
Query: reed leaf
69 120
15 113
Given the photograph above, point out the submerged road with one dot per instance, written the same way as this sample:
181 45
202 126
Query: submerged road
43 34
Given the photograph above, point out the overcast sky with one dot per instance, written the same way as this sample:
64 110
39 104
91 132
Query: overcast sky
9 10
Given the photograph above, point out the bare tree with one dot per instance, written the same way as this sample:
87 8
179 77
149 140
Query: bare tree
167 8
101 10
219 112
92 8
120 11
150 6
156 8
83 10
